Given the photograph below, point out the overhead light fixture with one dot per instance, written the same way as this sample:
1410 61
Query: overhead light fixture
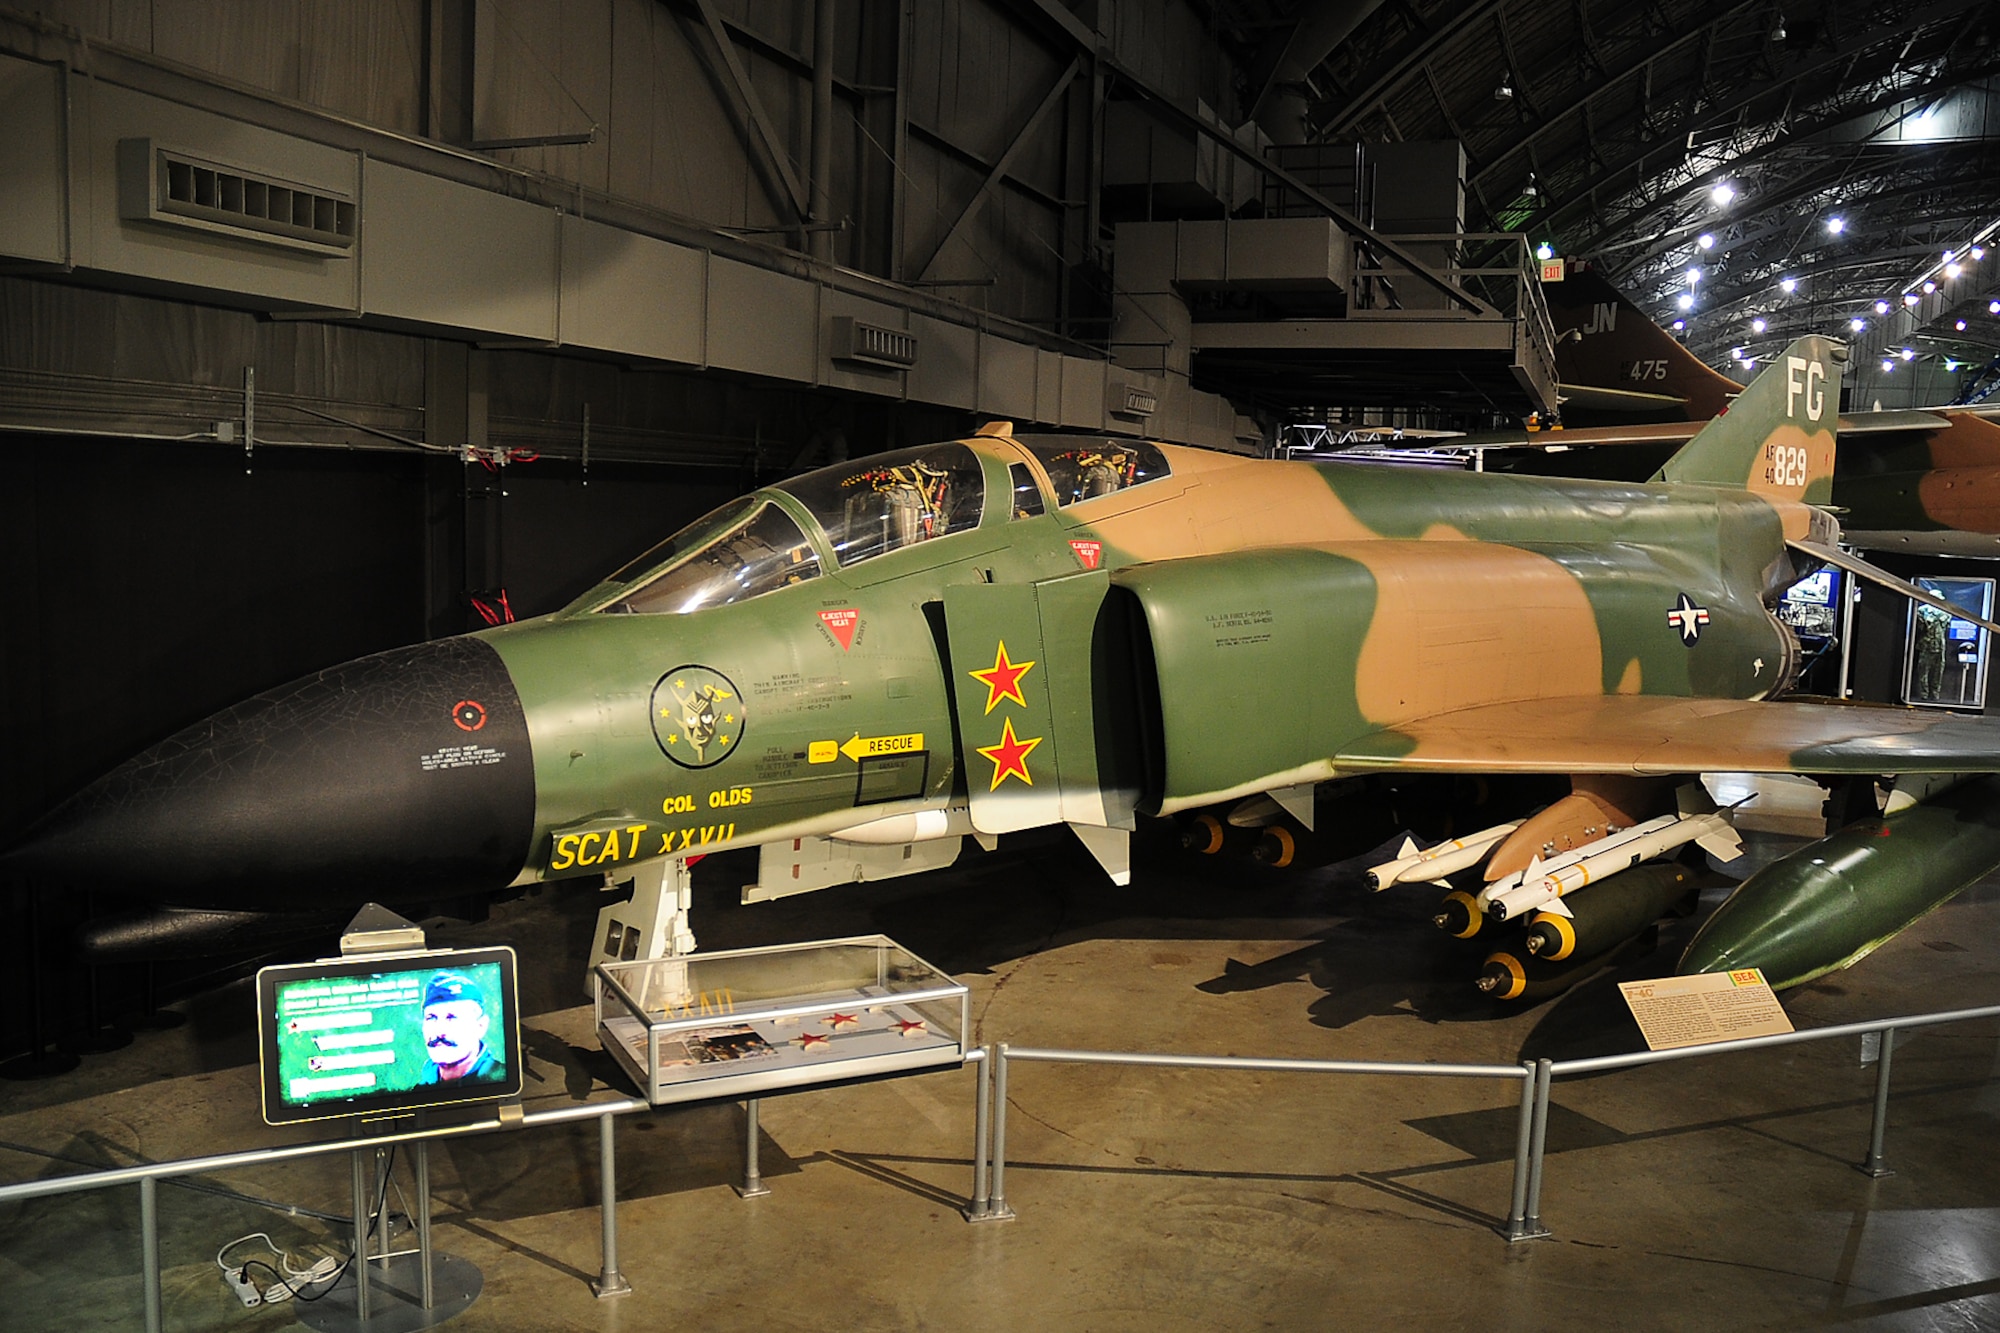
1881 307
1887 365
1952 270
1789 284
1680 324
1685 301
1911 298
1778 29
1757 326
1530 190
1545 251
1979 252
1836 225
1929 287
1722 194
1694 276
1749 361
1705 241
1950 365
1993 307
1505 91
1960 326
1857 324
1908 355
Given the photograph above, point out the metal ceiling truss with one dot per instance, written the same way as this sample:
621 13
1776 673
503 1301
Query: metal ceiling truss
1602 126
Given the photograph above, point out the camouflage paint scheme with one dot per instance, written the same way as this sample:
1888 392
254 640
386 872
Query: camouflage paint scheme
1925 482
1001 633
1231 627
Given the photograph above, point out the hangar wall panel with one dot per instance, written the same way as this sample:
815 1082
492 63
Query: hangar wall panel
622 292
1082 394
358 58
457 257
104 240
947 368
1048 385
31 223
1006 378
766 322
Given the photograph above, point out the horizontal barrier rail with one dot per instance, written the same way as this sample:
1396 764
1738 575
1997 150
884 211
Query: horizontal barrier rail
609 1282
1526 1144
1537 1076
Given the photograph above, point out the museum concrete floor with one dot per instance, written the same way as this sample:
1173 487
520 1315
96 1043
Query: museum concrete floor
1715 1191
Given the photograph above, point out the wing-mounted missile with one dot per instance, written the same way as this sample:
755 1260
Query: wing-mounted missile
1698 823
1436 862
1830 904
1598 804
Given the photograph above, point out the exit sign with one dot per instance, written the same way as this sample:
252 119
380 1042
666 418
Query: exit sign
1552 270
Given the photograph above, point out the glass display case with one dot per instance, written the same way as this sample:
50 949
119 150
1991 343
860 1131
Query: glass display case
746 1022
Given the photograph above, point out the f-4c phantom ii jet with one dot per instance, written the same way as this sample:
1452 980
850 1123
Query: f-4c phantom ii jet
1008 631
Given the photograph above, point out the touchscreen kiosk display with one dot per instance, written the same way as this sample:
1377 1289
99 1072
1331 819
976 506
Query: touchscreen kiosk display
352 1036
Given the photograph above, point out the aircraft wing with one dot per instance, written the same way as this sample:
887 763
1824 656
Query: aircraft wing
1649 735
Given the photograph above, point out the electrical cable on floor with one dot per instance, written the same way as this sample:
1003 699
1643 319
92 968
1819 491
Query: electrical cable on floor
292 1282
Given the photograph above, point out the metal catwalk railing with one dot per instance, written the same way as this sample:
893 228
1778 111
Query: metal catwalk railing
1524 1221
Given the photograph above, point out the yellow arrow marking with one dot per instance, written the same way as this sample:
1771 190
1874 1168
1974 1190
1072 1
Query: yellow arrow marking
869 747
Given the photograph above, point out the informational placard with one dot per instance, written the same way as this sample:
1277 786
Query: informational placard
1709 1007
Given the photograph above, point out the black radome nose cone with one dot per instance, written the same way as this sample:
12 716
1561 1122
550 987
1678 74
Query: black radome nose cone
392 777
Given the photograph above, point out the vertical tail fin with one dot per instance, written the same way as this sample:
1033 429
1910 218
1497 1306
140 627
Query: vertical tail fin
1777 438
1611 358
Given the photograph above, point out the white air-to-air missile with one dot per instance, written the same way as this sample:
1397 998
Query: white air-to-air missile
1434 863
1543 883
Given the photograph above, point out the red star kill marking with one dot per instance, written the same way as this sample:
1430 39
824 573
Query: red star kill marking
908 1028
808 1040
1003 679
838 1020
1010 756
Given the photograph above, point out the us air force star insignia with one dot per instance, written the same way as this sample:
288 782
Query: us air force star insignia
698 716
1688 619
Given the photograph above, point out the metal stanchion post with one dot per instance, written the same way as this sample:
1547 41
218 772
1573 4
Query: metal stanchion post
149 1248
997 1209
1516 1228
982 1088
358 1262
1872 1164
420 1164
1531 1225
753 1186
382 1208
610 1282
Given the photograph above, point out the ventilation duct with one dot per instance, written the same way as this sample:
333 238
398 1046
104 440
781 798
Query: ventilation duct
166 185
872 345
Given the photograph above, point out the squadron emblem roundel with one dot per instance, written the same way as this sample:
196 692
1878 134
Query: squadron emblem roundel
698 716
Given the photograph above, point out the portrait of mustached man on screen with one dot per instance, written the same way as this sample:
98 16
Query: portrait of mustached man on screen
456 1019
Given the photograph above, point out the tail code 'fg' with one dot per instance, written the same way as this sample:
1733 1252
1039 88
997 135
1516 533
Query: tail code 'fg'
1777 438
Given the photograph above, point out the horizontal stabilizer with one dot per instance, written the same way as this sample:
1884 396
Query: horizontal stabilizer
1854 564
